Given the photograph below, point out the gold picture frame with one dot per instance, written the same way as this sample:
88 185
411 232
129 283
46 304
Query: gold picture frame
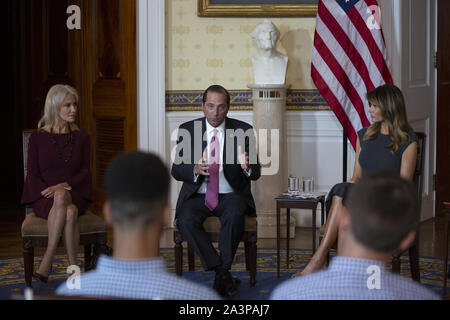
223 8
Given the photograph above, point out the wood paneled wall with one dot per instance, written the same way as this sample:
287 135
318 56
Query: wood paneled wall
443 108
99 60
110 82
8 184
42 57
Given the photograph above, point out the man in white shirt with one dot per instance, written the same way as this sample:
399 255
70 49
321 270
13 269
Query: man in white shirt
379 216
137 186
216 160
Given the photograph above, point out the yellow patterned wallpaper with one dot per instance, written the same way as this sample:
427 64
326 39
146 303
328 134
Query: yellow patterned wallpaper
203 51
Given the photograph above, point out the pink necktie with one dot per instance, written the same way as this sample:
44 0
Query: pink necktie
212 188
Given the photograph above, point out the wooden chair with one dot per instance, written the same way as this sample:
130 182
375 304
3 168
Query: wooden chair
414 249
35 231
418 181
212 228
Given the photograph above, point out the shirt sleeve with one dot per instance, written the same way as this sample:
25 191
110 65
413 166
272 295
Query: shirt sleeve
34 183
248 173
182 171
412 137
195 177
361 134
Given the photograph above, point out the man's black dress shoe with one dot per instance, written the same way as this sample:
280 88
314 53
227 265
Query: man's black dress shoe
226 285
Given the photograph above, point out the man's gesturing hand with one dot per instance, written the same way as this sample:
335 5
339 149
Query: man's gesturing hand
202 166
243 159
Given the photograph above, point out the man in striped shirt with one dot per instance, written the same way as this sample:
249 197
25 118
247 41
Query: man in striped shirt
137 185
379 216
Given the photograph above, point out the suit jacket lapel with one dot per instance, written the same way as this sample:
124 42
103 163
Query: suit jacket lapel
204 142
227 137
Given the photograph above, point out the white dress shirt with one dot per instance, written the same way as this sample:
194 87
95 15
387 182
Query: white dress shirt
224 186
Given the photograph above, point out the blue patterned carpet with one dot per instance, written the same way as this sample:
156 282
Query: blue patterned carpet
12 281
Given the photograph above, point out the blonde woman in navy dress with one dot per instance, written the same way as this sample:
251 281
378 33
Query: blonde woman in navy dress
58 182
389 144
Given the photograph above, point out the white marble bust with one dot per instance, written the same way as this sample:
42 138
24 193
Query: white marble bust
269 65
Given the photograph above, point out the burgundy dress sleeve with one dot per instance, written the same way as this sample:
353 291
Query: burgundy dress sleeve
81 180
34 184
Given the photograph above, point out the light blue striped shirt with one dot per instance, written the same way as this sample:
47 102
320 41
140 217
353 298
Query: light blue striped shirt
352 279
145 279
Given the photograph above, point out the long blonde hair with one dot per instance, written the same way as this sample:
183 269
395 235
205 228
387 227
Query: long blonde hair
53 103
389 99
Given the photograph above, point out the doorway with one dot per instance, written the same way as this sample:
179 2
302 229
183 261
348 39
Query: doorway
443 106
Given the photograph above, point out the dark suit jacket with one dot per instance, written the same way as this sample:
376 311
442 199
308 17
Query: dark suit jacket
188 153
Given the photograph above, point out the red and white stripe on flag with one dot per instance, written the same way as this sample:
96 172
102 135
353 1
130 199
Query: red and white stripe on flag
349 59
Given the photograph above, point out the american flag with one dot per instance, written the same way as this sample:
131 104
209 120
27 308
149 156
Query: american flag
349 59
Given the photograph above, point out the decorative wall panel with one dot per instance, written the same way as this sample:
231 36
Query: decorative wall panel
241 100
109 142
203 51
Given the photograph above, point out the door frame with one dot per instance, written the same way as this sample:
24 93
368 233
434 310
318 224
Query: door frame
392 14
151 72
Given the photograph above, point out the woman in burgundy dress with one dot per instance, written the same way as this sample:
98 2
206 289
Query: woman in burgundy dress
58 182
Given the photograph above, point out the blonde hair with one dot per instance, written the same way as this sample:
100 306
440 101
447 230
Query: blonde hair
389 99
53 103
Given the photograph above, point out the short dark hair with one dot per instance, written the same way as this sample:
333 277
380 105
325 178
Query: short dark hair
217 89
137 185
383 208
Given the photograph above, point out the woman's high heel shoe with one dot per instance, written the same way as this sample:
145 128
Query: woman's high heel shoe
42 278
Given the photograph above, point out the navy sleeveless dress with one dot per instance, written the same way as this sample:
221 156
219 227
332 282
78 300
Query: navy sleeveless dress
374 157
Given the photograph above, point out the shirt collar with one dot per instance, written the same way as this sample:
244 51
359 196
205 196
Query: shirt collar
210 128
110 265
339 262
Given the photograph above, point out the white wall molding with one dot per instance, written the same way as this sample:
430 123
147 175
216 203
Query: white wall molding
151 76
410 33
391 23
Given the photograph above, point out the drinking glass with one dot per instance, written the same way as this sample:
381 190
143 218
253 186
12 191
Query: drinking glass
293 185
308 184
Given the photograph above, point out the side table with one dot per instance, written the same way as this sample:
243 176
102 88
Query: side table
295 202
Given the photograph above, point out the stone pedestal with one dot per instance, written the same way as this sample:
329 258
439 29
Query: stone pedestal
269 108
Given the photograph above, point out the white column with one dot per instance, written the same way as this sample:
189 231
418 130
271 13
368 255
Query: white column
151 76
269 106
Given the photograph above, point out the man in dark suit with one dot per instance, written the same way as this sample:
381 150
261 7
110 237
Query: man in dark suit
216 160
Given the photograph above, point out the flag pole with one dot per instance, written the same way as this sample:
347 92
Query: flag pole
346 51
344 157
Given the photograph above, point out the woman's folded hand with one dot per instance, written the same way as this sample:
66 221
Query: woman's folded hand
50 191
